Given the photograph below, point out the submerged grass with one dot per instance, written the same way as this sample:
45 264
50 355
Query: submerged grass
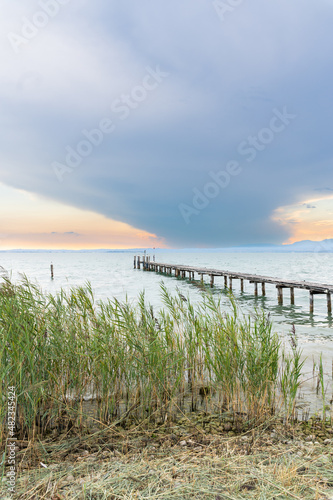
135 365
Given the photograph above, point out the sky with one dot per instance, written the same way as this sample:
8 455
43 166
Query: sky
165 124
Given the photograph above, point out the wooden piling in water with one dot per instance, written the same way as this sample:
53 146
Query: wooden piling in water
211 280
242 285
311 302
52 273
255 289
329 303
263 289
292 296
280 295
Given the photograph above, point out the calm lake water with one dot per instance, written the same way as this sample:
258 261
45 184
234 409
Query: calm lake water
112 275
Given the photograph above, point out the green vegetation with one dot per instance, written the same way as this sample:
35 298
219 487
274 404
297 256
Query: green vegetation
134 365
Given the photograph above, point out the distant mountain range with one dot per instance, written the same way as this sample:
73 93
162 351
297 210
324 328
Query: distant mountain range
324 246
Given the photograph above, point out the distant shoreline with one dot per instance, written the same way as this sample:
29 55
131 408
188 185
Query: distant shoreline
306 246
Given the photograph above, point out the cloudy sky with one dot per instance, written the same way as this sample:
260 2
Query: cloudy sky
187 123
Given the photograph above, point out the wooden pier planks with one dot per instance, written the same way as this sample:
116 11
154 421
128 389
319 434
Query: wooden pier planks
181 270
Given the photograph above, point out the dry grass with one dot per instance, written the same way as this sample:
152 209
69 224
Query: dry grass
271 462
200 457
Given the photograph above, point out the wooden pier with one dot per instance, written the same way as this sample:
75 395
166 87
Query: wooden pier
181 271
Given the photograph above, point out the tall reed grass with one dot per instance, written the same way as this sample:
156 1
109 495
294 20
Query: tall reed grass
57 351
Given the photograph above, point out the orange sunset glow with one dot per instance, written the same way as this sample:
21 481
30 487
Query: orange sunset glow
311 219
30 222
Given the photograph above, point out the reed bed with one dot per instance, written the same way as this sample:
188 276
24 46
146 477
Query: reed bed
136 367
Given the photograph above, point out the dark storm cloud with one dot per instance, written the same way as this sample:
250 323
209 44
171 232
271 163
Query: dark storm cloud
226 82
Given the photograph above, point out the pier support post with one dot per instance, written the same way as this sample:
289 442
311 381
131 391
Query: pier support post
280 295
138 262
225 281
202 279
263 289
52 274
255 289
134 261
211 280
242 285
329 303
230 283
311 302
292 296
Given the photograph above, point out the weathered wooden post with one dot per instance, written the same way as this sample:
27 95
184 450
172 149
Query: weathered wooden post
263 289
329 303
225 281
230 283
242 285
292 296
201 278
52 274
311 302
211 280
138 262
280 295
134 261
255 289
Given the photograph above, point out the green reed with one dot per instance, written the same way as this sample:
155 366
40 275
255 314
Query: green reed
290 381
60 350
